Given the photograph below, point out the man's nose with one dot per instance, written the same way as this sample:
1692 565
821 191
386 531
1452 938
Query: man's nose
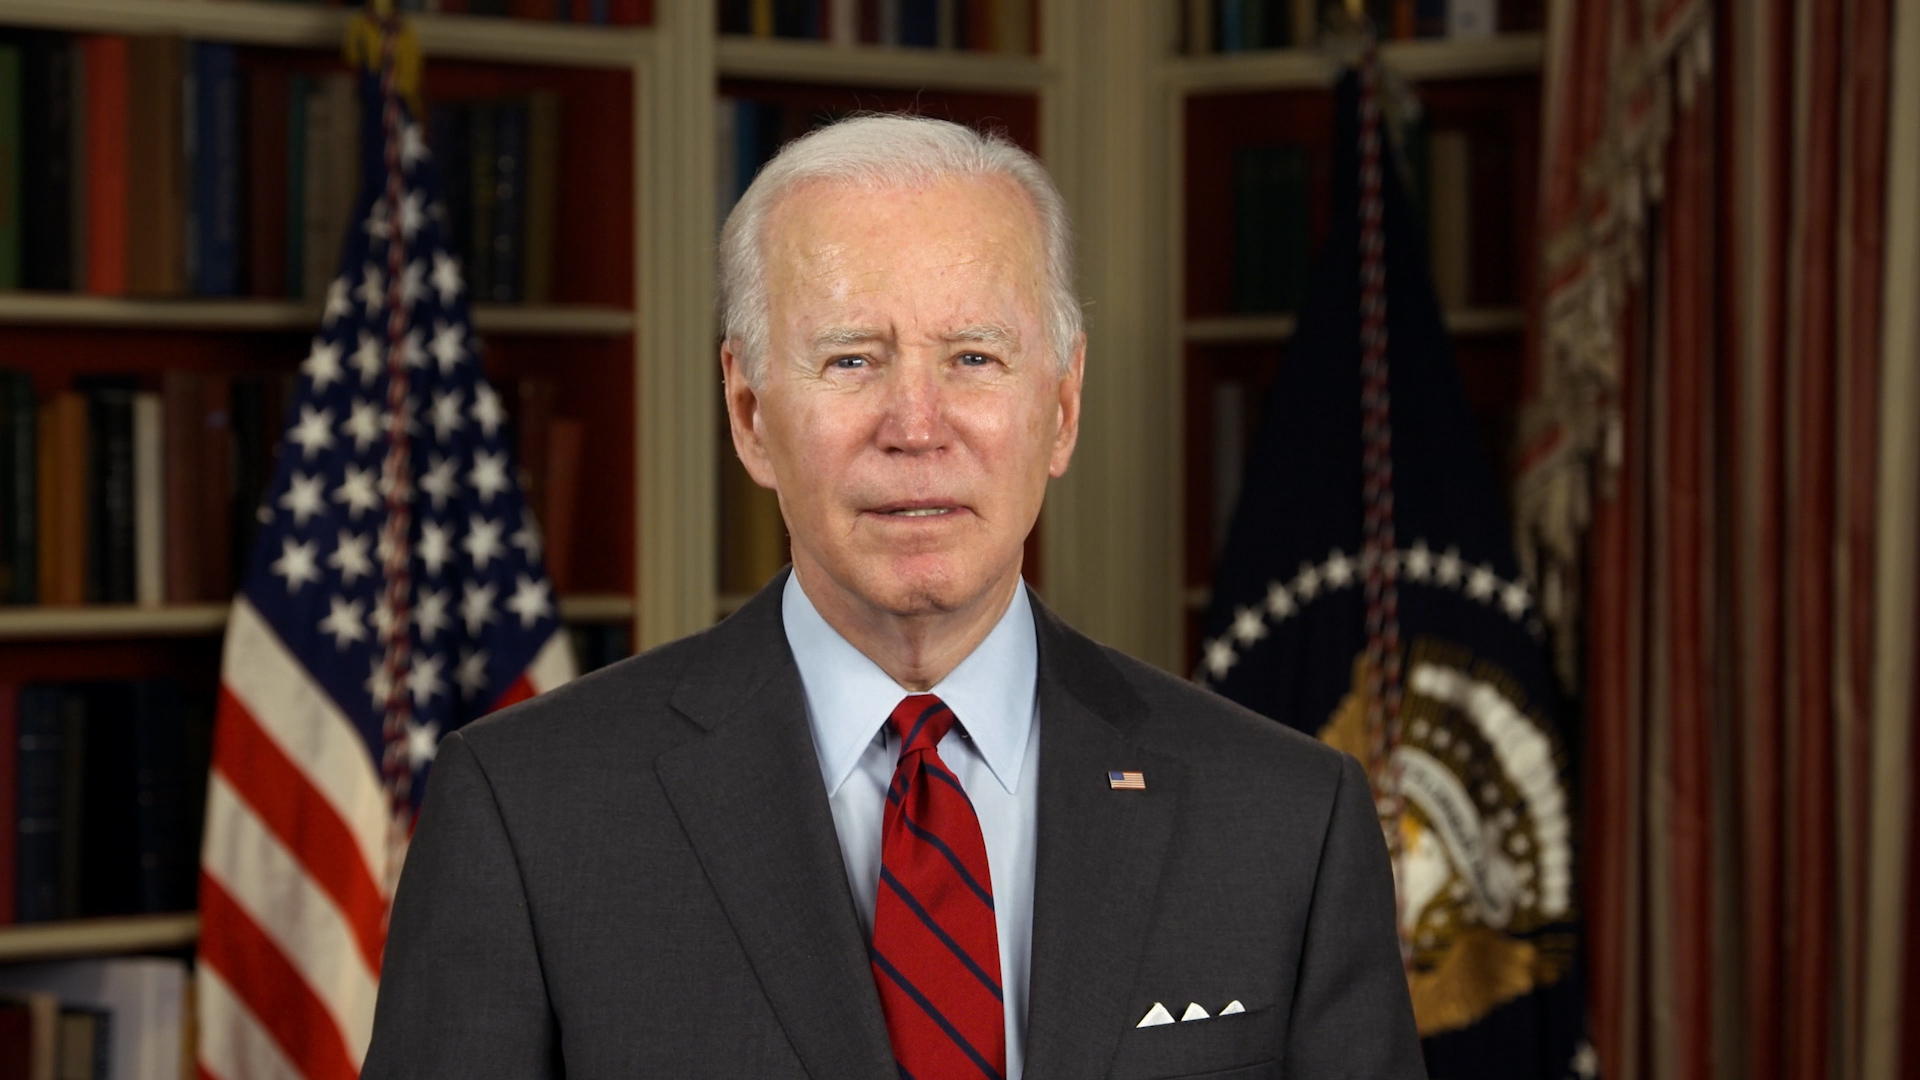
913 422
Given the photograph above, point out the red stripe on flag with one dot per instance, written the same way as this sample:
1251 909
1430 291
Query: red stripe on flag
301 818
235 946
521 690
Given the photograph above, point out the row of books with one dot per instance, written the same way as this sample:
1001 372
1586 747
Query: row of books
592 12
123 1018
119 492
994 26
112 492
1228 26
102 790
150 165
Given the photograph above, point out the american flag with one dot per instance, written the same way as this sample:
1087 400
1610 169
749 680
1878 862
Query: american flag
1127 781
395 592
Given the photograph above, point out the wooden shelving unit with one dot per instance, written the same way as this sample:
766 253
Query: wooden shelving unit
59 309
873 65
180 620
1294 69
1249 329
97 937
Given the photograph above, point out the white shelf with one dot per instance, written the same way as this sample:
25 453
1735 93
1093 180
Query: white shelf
1257 329
188 620
97 937
67 309
252 22
1281 69
789 60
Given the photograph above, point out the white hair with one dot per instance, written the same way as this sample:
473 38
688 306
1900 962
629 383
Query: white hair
880 152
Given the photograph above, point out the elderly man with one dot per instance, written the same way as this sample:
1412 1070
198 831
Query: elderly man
893 818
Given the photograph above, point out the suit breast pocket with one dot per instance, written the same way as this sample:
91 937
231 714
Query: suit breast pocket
1240 1046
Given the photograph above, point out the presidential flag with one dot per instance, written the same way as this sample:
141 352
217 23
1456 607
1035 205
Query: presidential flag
1368 594
394 593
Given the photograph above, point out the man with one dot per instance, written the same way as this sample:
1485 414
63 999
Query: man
893 818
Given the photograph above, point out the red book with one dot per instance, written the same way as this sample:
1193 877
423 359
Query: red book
9 798
105 59
629 12
978 31
267 104
182 421
565 442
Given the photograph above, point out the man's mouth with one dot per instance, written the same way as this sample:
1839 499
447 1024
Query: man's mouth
922 511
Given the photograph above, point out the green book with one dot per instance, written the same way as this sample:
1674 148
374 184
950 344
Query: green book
10 165
1269 227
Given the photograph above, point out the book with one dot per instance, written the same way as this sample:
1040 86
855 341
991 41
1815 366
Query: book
46 147
149 501
1473 18
946 24
215 491
110 489
564 461
37 763
448 131
919 23
1449 232
145 995
61 497
78 227
12 167
73 800
267 148
1231 33
533 425
332 178
543 195
166 848
1269 215
108 820
182 399
843 22
82 1052
106 61
482 133
19 451
294 222
1013 26
1306 23
9 802
214 242
760 18
30 1022
510 201
156 156
1199 24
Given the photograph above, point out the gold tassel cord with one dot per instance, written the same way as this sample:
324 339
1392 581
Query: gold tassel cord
362 50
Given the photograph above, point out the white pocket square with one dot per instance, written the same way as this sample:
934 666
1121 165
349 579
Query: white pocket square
1156 1016
1233 1006
1195 1012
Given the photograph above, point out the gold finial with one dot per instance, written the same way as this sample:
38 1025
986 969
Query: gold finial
362 50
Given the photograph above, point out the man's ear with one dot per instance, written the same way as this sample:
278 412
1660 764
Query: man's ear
1068 432
743 417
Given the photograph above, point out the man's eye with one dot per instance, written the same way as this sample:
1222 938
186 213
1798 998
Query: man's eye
849 363
974 359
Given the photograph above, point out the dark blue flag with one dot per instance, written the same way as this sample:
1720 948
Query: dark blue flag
1368 594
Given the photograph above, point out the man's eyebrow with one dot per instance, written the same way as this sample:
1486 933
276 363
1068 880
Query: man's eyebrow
1005 337
835 337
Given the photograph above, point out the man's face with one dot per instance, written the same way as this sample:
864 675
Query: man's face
910 412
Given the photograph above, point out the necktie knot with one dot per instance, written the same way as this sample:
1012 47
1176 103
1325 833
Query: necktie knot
921 721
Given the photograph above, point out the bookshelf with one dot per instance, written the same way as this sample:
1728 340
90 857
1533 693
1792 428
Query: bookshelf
98 937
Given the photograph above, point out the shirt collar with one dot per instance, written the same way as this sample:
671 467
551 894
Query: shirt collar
849 697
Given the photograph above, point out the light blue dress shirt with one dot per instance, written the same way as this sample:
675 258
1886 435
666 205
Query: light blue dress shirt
994 749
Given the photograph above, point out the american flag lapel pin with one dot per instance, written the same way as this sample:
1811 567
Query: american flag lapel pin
1127 781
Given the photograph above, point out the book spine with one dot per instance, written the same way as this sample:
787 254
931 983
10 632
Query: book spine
891 16
510 201
455 166
11 167
181 395
38 776
343 163
1232 28
46 97
1430 18
267 147
78 227
165 865
9 802
215 487
1473 18
1449 199
108 61
843 22
251 458
543 194
482 118
1015 21
564 461
216 170
63 503
760 18
294 220
1306 24
110 484
1269 214
946 24
156 146
149 501
21 506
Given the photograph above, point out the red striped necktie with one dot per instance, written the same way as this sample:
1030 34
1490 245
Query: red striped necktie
936 953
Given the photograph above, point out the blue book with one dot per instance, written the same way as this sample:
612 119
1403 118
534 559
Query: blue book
216 170
37 809
597 12
920 23
1231 31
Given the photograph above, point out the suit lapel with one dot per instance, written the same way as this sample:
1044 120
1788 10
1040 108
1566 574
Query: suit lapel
1100 853
750 798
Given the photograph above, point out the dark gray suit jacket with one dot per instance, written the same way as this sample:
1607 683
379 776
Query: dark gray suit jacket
637 875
